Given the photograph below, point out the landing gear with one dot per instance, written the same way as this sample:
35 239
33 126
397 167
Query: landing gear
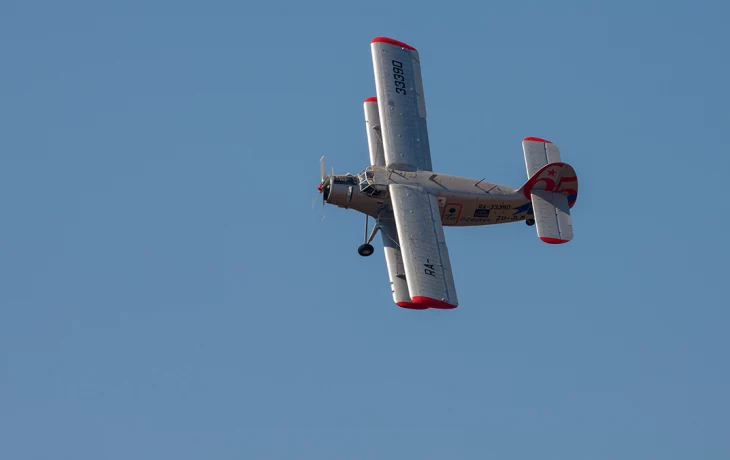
530 222
367 248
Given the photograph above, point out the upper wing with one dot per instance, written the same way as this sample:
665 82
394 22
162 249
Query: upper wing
372 126
401 105
423 246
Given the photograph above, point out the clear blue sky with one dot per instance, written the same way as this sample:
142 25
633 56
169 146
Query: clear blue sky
167 290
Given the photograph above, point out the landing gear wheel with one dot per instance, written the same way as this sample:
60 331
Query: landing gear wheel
530 222
366 250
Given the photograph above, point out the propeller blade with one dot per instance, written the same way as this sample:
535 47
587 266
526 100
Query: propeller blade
321 168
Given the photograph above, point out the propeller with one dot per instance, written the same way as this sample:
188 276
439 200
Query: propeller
321 186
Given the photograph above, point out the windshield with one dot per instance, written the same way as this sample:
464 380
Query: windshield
369 184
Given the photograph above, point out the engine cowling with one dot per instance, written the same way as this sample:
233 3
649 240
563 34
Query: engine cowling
339 190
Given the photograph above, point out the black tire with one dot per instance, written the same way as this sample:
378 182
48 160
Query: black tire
530 222
366 250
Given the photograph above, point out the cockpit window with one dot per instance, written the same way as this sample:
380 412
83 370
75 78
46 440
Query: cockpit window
370 186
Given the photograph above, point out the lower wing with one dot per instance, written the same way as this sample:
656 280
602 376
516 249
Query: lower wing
423 247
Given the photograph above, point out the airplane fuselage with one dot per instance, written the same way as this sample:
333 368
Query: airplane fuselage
462 201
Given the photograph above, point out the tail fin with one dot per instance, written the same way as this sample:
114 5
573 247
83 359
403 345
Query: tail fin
553 190
553 177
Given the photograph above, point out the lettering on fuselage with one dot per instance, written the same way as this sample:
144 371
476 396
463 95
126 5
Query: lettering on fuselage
496 207
474 220
452 211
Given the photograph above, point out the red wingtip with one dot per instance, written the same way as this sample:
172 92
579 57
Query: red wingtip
371 99
411 306
537 139
392 42
553 240
433 303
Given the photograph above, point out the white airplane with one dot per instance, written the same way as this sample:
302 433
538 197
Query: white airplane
411 203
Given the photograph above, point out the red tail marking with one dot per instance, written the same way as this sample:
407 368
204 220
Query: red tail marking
563 180
550 184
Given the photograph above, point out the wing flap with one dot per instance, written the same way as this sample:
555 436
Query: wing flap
423 246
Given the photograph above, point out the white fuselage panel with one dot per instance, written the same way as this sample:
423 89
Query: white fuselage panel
462 201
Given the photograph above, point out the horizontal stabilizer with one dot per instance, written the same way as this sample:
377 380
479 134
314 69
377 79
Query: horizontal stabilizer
539 152
552 216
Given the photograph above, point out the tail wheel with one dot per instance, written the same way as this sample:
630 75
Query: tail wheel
530 222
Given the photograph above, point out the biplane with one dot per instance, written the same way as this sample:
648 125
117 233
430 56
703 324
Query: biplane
411 203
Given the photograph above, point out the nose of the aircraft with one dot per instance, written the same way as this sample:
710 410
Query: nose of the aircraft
325 187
